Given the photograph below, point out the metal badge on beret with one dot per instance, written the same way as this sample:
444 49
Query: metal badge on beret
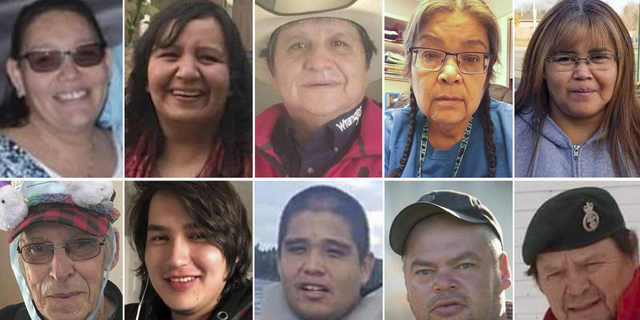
572 219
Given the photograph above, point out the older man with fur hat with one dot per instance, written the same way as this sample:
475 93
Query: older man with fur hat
62 244
583 258
319 62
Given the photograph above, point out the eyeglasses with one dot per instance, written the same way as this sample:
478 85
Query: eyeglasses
595 62
87 55
433 59
77 250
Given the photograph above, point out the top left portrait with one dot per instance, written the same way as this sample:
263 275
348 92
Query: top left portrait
61 88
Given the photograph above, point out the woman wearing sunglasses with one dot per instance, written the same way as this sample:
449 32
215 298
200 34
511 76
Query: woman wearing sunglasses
58 71
451 127
577 114
188 98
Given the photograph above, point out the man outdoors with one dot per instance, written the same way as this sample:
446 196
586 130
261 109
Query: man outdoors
323 260
62 244
319 64
583 258
453 260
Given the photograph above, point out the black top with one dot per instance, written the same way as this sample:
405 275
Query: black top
325 147
236 305
19 311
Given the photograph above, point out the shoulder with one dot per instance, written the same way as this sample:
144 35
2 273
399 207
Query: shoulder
502 111
16 162
10 312
265 122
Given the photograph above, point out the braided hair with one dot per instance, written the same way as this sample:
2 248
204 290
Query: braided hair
484 113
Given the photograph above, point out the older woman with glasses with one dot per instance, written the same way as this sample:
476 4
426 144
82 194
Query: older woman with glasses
577 114
58 70
451 127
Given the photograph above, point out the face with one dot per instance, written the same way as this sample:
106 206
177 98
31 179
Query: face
447 96
63 288
582 93
187 271
319 266
320 68
451 272
189 80
69 98
585 283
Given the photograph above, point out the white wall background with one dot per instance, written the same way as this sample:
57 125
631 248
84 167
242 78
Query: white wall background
530 304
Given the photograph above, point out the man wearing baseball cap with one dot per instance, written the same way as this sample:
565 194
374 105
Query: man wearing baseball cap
319 63
62 244
583 258
453 260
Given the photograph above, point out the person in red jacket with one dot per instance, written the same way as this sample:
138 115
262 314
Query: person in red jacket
320 65
583 258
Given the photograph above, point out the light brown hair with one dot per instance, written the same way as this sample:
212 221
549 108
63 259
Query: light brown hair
565 25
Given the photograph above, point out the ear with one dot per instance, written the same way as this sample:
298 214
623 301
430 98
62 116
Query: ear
15 75
116 255
505 272
366 266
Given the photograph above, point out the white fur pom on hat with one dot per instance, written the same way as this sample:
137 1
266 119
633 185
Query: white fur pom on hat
13 210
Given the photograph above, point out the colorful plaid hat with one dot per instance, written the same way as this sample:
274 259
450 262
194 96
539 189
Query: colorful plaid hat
84 205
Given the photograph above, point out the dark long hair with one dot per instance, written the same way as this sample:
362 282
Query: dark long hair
481 12
597 20
13 109
141 121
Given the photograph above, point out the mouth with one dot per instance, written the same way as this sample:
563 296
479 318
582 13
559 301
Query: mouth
321 84
187 94
181 280
313 291
447 307
64 297
67 96
584 307
181 283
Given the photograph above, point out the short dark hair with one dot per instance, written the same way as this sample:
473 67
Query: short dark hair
623 240
13 110
214 207
320 199
236 123
270 51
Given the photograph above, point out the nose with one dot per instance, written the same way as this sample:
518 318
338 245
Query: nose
318 58
577 282
582 71
61 265
315 263
179 253
69 70
187 68
444 281
449 73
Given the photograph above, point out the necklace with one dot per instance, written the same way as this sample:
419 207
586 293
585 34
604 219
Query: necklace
425 141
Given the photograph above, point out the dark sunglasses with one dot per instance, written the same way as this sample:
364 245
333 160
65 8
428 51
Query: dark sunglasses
87 55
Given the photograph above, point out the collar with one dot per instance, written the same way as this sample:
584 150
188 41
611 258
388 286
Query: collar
325 147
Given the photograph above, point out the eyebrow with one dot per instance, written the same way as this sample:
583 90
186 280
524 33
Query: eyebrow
325 242
590 52
462 256
468 43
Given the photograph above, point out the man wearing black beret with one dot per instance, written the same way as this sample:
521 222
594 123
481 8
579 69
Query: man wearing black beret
583 257
454 262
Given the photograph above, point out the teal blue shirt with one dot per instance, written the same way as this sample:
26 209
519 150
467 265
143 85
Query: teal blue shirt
440 163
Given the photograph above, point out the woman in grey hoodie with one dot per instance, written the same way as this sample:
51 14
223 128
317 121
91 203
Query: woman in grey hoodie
577 119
